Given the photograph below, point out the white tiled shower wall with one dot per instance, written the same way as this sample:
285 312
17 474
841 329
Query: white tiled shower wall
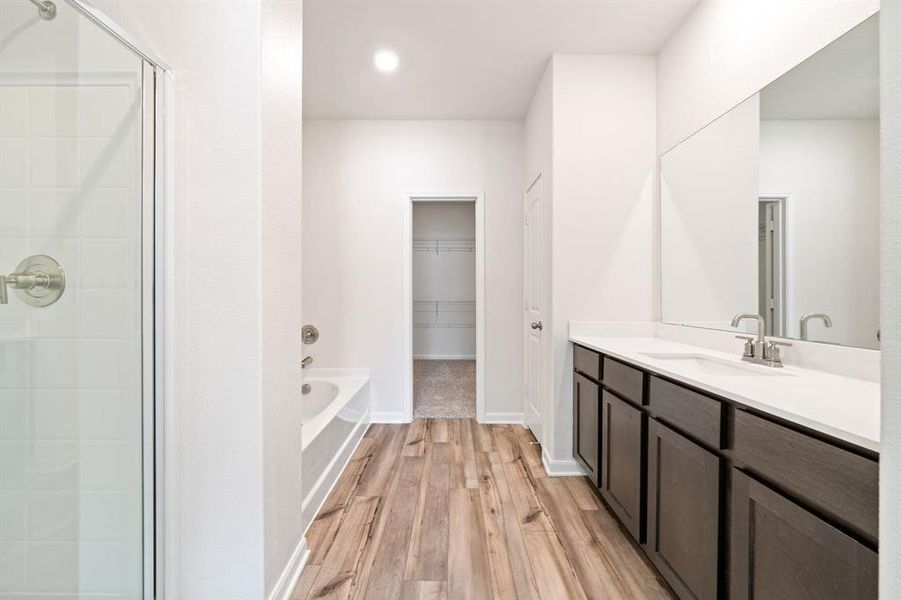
70 374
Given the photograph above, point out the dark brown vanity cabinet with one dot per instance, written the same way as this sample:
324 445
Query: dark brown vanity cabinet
727 501
586 424
621 460
841 484
587 362
781 550
683 539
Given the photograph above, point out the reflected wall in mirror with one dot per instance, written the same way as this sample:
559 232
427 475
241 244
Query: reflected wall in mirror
774 207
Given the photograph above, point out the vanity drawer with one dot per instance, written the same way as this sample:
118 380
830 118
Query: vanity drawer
623 379
843 484
693 413
587 362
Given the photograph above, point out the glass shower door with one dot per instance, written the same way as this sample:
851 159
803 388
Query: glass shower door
72 301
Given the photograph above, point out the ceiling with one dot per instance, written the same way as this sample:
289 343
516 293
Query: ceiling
841 81
461 59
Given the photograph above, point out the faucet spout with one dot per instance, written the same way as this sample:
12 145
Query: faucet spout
827 321
761 324
306 362
759 350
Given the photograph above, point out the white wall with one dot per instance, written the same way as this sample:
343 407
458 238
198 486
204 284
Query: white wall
538 132
726 51
890 451
281 122
601 179
831 171
216 547
357 176
444 286
444 220
708 221
216 473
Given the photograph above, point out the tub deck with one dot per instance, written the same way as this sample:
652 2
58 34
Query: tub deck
456 509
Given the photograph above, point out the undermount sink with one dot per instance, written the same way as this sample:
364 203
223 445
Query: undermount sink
715 366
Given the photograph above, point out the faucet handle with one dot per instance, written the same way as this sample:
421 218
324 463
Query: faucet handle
749 345
772 352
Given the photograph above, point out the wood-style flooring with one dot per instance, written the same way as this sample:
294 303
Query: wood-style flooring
457 509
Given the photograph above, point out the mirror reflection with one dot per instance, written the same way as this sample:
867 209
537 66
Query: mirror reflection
774 207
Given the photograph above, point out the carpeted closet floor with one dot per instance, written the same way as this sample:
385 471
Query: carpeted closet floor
444 389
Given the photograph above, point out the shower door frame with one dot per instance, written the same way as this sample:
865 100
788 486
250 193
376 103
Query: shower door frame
157 296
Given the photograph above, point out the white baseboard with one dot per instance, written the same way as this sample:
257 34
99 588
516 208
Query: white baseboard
387 417
285 584
503 418
560 468
444 356
495 417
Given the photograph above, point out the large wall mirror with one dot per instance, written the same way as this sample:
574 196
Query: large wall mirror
774 207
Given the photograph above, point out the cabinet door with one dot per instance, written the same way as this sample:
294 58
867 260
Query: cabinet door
780 550
586 413
621 453
683 512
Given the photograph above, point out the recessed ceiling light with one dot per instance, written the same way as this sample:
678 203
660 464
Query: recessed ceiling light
386 60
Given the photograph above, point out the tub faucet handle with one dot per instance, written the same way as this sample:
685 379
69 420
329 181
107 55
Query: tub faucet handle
309 334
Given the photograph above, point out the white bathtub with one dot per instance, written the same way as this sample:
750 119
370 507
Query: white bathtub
335 416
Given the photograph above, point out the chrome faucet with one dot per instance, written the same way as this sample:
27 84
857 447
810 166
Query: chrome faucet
827 320
752 347
307 360
759 350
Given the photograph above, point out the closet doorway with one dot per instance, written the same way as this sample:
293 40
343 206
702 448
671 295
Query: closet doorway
443 293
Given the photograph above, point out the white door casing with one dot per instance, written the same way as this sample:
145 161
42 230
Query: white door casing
477 197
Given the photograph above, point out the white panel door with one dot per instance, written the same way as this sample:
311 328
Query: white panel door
535 287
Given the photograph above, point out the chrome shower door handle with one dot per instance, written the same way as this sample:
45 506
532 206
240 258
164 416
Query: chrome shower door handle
537 326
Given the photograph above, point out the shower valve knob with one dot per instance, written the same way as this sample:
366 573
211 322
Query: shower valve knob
39 281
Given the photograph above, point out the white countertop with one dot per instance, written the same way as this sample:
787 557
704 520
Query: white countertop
842 407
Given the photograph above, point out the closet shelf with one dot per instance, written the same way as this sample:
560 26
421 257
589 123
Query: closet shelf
451 314
444 306
439 245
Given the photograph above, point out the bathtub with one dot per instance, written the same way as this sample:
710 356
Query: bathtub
335 415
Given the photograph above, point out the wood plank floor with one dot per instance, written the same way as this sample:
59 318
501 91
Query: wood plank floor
457 509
